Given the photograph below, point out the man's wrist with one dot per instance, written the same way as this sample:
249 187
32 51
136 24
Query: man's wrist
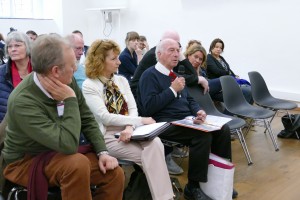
102 153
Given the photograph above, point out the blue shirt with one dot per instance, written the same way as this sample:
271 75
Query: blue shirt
80 75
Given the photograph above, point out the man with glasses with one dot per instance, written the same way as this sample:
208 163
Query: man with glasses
45 116
78 46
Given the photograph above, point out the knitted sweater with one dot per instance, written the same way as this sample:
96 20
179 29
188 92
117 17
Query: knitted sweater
34 125
157 100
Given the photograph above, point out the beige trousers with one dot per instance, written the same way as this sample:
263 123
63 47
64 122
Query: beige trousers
147 154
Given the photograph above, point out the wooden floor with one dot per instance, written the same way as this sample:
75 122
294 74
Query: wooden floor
273 175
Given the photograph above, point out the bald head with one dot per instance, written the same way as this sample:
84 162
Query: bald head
170 34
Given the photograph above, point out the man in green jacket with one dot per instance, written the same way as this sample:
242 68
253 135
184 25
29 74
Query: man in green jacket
45 116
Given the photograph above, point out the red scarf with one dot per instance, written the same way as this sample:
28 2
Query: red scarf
16 78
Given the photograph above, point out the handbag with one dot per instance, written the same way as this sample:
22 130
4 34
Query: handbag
220 178
291 124
242 81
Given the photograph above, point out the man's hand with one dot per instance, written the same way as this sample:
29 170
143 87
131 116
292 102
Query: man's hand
200 118
107 162
56 89
148 120
126 134
204 83
178 84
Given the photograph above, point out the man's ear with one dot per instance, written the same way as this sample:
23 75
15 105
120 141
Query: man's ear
55 71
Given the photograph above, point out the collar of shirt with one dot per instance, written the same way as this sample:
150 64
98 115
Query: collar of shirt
38 83
162 69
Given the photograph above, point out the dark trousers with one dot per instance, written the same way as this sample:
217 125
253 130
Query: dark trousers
200 145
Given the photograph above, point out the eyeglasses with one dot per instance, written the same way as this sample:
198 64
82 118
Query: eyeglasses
79 48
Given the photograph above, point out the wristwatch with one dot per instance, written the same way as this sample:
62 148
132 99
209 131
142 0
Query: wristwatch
102 153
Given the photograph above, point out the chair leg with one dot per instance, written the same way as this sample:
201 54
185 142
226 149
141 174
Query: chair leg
185 150
244 145
15 190
272 119
249 126
268 126
11 192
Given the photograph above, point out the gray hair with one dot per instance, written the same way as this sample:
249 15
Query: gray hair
48 51
18 37
161 46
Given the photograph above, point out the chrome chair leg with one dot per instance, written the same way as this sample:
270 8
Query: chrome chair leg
268 126
271 119
11 192
15 190
249 126
244 145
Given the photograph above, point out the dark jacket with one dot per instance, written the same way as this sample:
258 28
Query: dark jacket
128 64
148 60
6 87
215 68
190 74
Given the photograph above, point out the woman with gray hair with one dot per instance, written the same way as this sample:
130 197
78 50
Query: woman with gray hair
17 50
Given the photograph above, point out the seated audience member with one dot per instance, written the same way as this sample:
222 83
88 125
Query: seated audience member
46 113
128 56
196 54
217 67
11 29
78 47
158 94
32 35
77 32
149 60
143 47
82 59
18 50
109 97
2 44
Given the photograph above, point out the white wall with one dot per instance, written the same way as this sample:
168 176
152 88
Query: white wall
40 26
258 35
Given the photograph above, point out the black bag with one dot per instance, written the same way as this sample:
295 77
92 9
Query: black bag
138 189
291 125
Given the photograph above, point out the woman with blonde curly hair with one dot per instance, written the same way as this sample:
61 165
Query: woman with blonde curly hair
110 99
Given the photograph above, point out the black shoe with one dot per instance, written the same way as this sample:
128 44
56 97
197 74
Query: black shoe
234 194
195 194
